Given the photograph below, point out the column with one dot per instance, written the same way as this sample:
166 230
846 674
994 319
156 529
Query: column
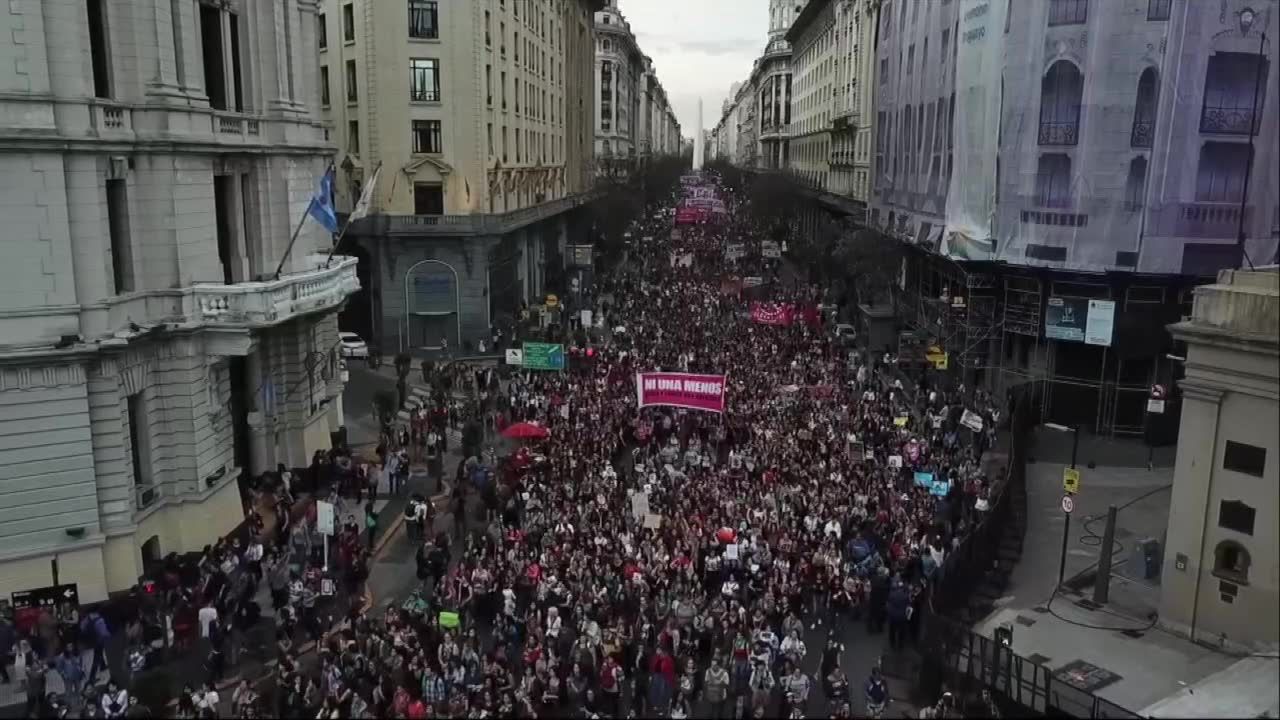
271 56
1188 507
170 65
261 397
186 37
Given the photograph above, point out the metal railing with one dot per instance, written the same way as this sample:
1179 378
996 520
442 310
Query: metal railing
1143 133
1059 133
1228 120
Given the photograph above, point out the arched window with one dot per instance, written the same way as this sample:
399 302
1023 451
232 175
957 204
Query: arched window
1135 186
1144 109
1060 92
1231 562
1053 181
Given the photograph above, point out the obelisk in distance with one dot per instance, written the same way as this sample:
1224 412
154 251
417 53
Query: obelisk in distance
697 139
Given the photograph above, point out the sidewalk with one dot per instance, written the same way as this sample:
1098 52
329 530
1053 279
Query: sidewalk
257 653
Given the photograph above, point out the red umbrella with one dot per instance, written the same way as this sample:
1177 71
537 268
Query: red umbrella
525 431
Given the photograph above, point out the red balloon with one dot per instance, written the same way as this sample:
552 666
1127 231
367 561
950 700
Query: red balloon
726 535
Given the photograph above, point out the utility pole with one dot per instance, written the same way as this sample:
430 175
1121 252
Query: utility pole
1067 501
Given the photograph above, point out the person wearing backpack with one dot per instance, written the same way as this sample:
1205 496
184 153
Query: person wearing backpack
411 521
93 627
611 685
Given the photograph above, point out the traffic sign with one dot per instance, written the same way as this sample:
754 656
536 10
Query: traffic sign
544 356
1068 504
1070 480
1155 405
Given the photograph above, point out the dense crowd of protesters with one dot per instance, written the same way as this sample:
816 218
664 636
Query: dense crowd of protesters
646 562
785 512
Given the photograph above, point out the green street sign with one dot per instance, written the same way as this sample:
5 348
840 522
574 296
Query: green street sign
543 356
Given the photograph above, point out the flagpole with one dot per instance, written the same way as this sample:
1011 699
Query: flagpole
343 232
298 230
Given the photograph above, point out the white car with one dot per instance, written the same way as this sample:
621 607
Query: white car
352 345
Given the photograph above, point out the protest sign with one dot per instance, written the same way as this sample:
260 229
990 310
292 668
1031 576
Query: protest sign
971 420
924 479
772 313
684 390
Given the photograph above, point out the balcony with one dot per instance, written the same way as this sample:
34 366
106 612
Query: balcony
1200 220
1143 133
1227 120
271 302
1059 133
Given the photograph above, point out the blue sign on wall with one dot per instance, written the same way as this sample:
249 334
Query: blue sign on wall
432 289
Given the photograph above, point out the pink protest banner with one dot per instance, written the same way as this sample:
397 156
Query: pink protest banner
772 313
684 390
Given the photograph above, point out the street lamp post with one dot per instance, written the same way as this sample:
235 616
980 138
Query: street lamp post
1066 516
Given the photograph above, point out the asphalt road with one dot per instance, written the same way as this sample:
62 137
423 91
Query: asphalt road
357 402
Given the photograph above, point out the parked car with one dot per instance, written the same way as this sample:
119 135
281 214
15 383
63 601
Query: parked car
352 345
844 335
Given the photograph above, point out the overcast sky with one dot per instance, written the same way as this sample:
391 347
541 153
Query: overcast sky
699 47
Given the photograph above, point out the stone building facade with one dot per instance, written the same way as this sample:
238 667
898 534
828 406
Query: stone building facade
158 341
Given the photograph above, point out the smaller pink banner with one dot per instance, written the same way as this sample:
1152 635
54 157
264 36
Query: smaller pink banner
772 313
685 390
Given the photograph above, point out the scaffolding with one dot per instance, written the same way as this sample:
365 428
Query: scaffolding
954 307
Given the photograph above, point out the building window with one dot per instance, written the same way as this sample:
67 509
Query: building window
1244 458
139 445
428 199
1158 9
1234 88
121 242
1060 93
424 80
99 48
1053 181
1220 176
426 137
324 84
1135 186
1144 110
215 76
424 19
322 32
1237 516
348 23
488 39
352 93
502 79
353 137
1068 12
1231 562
